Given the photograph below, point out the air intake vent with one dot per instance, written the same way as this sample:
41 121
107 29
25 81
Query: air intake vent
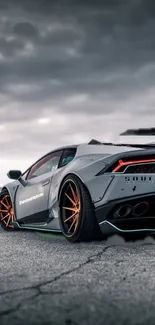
140 169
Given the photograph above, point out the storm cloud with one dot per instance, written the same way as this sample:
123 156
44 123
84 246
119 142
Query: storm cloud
71 71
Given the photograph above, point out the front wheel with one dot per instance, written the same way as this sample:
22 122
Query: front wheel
77 217
6 211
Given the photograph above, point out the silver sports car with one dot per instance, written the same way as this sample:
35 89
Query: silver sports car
85 191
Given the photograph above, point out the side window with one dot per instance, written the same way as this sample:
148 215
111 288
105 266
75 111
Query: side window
24 175
68 155
45 165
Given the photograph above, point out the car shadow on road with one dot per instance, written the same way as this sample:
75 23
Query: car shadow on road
111 240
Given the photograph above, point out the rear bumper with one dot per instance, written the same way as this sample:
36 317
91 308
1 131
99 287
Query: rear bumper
109 224
136 226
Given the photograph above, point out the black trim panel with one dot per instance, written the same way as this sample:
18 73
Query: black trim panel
35 218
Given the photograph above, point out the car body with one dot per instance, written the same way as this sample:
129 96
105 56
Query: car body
116 185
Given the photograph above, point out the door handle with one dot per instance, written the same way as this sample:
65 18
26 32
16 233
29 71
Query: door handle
46 182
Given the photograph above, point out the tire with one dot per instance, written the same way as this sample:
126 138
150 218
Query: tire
6 211
76 212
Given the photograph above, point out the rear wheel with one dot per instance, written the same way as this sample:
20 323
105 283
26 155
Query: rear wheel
6 211
77 215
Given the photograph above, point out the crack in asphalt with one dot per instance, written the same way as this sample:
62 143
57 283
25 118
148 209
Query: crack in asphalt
91 259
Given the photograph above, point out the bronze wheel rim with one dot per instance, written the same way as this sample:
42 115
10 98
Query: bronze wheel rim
6 211
71 208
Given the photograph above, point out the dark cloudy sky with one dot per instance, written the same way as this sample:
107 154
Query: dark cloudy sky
71 71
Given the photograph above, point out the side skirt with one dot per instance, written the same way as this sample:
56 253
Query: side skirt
37 227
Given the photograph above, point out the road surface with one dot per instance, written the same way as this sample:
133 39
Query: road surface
46 280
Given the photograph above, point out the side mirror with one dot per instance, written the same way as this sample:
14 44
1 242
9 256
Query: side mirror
14 174
17 175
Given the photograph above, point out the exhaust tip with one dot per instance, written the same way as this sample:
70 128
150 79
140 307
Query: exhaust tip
140 209
123 211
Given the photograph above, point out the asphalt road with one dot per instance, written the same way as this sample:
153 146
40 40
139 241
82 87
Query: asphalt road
46 280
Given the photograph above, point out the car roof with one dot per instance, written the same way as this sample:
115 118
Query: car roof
59 149
74 146
97 147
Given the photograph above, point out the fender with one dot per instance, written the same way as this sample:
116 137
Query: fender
12 188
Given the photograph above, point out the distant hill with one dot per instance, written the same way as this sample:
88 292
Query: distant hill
140 132
138 136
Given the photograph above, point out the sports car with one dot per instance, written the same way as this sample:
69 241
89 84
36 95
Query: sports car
84 191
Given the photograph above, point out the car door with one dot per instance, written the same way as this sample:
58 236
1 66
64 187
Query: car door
32 200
